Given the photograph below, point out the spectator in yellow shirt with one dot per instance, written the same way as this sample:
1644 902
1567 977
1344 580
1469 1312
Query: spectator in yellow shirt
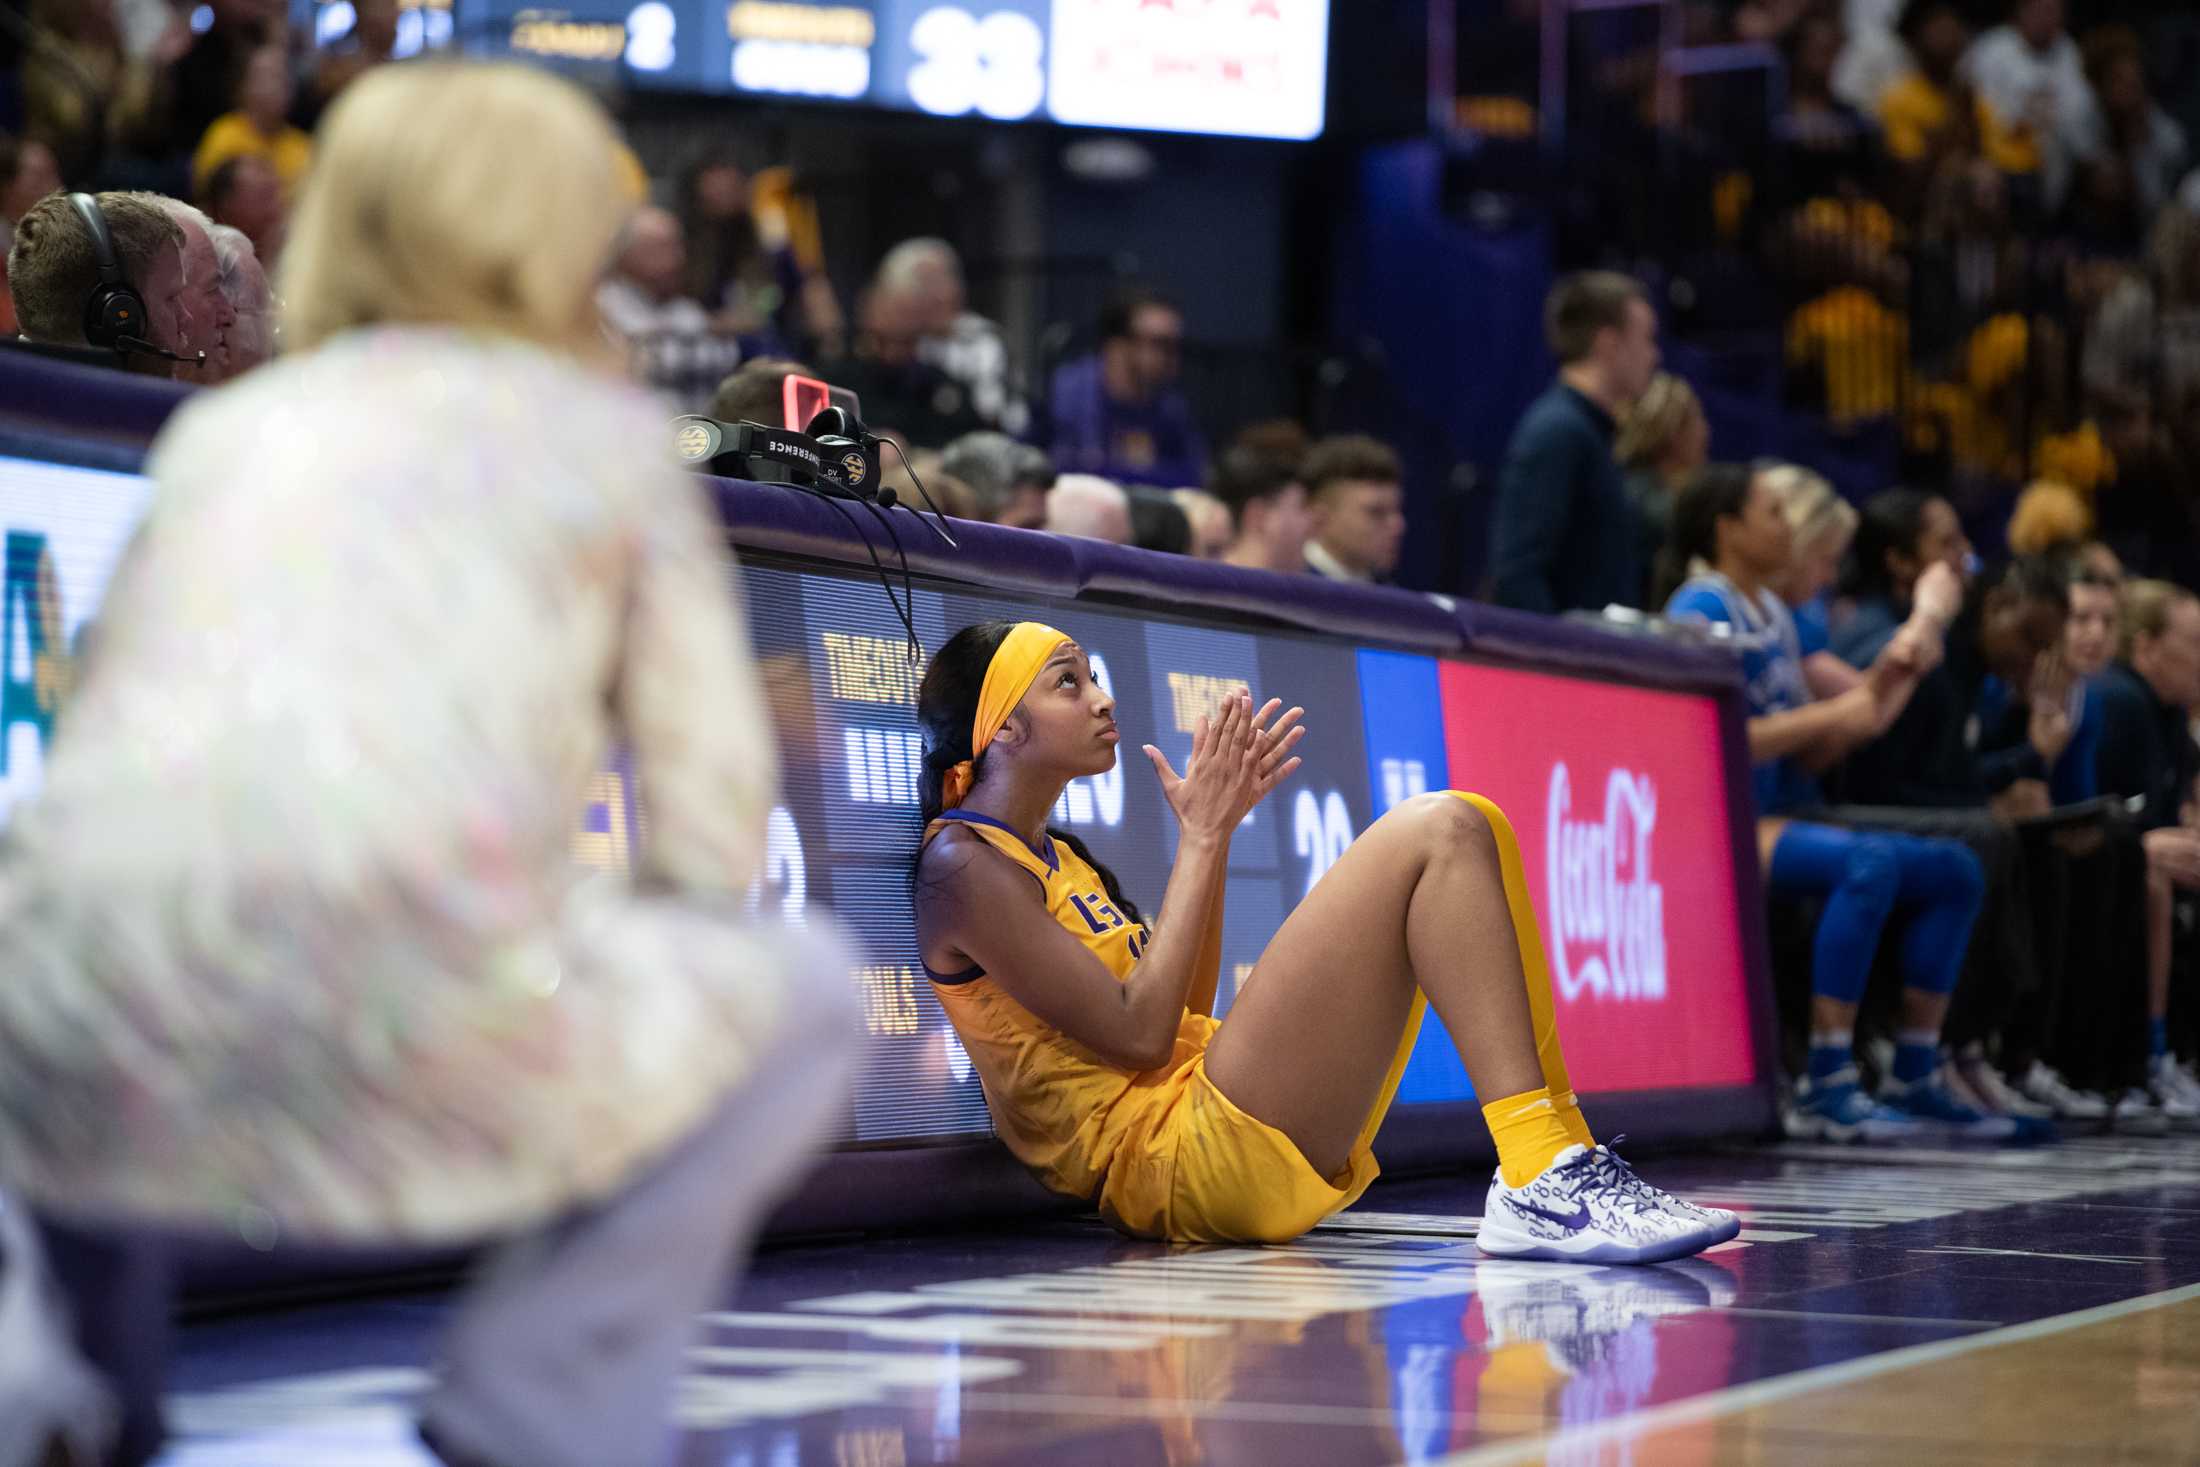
257 127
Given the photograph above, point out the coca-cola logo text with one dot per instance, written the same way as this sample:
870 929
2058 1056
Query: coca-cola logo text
1606 907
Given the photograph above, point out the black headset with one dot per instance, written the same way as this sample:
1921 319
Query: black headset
115 317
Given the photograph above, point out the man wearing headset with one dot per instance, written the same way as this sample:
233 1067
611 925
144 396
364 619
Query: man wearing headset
106 273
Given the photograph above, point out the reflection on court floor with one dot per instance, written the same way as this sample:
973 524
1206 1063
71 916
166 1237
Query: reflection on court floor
1383 1337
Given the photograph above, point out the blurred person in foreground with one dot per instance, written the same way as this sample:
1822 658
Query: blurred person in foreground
1355 488
1566 535
957 340
1120 412
377 1007
244 286
1090 508
1268 500
1008 480
53 274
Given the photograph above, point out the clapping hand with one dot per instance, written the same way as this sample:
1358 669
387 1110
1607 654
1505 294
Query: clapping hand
1238 756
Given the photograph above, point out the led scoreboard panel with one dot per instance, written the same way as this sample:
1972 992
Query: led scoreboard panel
1617 794
1250 68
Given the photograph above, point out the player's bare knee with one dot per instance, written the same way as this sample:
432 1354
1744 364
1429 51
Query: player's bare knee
1454 827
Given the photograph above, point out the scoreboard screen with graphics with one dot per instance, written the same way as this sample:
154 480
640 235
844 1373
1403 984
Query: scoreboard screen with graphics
1616 793
1250 68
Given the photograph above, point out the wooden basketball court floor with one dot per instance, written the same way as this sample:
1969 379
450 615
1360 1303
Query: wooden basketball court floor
2028 1307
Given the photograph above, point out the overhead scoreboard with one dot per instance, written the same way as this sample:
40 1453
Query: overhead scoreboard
1249 68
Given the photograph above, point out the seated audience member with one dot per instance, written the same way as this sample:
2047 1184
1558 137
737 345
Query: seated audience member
1356 492
244 285
1901 533
27 174
1268 501
2147 754
1009 480
756 392
756 255
53 275
245 194
85 94
1209 517
1926 112
1566 537
675 347
1089 507
602 1089
202 85
210 315
259 127
1120 412
2013 631
957 340
1821 527
901 391
1158 522
2058 907
2123 127
1663 440
1730 531
2030 75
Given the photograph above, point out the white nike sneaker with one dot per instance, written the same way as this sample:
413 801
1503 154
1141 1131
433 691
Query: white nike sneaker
1718 1224
2177 1104
1995 1093
2138 1115
1586 1207
2069 1104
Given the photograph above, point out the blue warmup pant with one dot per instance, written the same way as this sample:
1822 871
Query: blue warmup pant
1866 877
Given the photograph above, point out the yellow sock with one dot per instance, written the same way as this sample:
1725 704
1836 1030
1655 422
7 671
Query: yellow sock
1529 1133
1569 1116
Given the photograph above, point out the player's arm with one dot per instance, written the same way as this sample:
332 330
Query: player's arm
989 909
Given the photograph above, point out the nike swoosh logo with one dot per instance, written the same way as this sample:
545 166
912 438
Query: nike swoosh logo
1572 1223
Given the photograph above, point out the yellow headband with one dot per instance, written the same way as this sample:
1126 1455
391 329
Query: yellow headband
1014 668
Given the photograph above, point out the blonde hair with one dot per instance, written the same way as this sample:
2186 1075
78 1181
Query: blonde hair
2146 608
459 193
1657 415
1811 506
2049 516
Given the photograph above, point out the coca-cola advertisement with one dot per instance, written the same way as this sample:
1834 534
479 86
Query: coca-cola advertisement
1618 797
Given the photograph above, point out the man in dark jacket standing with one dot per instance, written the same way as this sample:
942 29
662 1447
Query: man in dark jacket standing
1567 536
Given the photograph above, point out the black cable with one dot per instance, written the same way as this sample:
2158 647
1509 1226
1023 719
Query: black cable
907 617
939 529
908 584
